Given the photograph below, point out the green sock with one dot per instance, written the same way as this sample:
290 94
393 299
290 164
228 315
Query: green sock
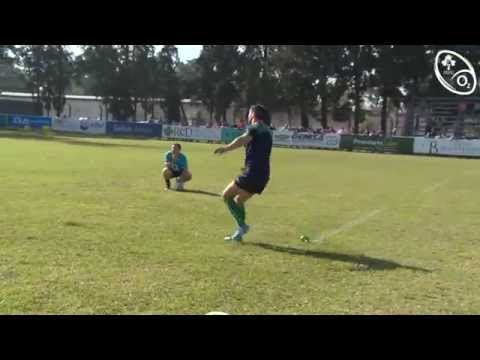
237 211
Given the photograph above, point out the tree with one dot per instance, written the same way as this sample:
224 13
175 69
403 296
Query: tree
207 79
296 87
256 81
11 78
48 70
189 78
170 87
325 69
387 77
218 81
416 70
356 70
145 80
121 75
30 58
58 73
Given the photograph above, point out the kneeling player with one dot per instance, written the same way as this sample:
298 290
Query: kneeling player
176 166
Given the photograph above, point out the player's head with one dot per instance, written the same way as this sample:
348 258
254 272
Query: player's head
258 113
176 148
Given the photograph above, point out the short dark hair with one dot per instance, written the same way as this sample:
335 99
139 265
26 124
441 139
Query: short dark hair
178 145
261 113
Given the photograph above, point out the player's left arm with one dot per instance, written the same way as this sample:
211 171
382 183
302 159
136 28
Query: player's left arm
240 141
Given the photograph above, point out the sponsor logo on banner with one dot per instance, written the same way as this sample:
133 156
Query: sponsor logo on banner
282 137
86 124
193 133
332 140
367 142
316 140
79 125
131 128
447 147
122 128
179 132
20 121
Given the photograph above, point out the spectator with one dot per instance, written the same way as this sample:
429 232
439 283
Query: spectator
176 167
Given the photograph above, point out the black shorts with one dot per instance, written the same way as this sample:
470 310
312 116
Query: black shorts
251 184
176 173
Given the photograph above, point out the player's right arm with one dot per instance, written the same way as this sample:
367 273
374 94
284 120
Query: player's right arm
240 141
168 161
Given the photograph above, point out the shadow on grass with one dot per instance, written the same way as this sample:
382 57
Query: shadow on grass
73 223
365 262
201 192
74 139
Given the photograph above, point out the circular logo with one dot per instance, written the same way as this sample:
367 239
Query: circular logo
455 73
84 125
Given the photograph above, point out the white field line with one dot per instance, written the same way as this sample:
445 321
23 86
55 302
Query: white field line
370 214
349 225
363 219
435 186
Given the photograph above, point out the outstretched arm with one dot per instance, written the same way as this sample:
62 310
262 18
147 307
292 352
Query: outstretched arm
235 144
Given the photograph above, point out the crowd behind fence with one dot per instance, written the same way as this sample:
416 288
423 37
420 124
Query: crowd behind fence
326 138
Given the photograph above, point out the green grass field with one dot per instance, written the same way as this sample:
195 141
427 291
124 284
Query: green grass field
86 228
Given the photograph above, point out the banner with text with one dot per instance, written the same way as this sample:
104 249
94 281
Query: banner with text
289 138
447 147
395 145
282 137
134 129
191 133
80 126
326 141
34 122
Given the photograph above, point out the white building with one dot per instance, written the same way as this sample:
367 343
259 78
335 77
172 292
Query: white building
92 107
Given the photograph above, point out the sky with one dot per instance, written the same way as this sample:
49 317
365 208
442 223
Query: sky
185 52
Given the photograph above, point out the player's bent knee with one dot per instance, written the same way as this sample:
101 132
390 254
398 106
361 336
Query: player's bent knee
167 173
230 191
226 195
238 200
242 198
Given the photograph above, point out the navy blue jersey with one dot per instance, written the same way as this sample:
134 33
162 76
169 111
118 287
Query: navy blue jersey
257 152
